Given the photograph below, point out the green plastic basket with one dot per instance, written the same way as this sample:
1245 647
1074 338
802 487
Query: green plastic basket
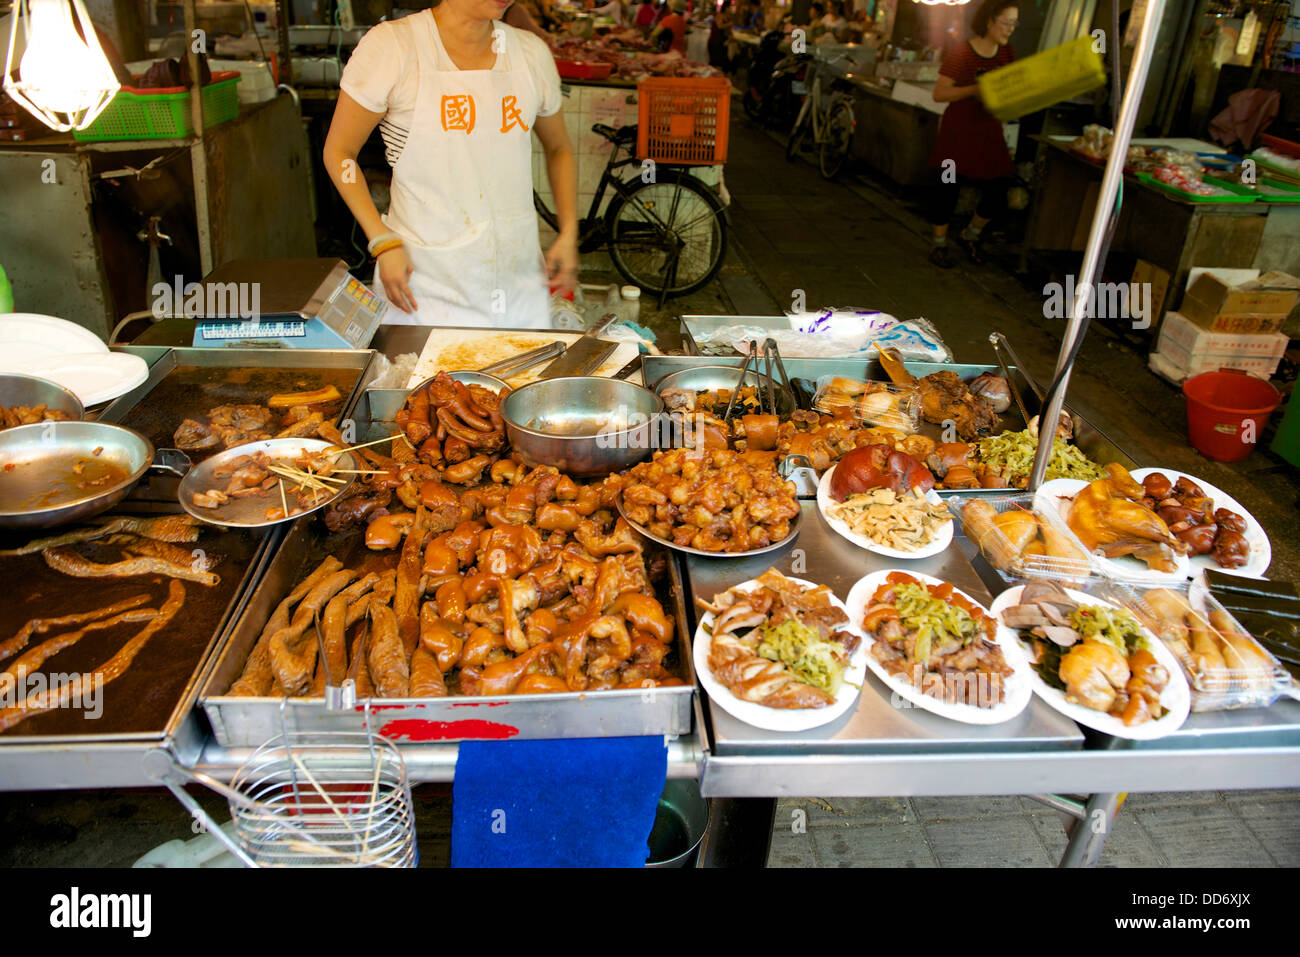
136 114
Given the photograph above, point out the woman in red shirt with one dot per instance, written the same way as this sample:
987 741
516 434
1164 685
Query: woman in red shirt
674 25
970 148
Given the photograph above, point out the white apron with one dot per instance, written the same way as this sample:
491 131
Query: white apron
462 192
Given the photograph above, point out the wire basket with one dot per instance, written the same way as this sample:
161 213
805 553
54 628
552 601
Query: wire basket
325 799
311 799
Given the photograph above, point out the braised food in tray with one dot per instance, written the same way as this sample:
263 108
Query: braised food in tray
528 584
930 634
295 415
13 415
714 500
779 643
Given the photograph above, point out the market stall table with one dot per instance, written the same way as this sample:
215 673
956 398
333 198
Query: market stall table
1155 225
876 750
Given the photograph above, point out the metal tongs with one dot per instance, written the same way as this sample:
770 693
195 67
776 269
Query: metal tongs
765 383
772 354
1001 345
526 360
342 697
740 381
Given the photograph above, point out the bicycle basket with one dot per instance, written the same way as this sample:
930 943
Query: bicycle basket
684 120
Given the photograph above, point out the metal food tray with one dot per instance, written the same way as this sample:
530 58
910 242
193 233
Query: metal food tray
248 722
1091 441
55 750
186 382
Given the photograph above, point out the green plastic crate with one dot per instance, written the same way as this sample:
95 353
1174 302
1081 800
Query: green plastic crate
163 114
1041 80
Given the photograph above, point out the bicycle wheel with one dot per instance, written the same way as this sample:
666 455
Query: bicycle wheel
668 237
798 132
837 139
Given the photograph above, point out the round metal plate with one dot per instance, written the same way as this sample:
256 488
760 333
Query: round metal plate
36 457
251 512
669 543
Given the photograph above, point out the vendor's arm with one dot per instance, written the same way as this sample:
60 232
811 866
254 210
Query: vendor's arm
947 91
562 172
349 130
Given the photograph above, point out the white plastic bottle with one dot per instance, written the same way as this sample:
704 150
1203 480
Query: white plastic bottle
630 310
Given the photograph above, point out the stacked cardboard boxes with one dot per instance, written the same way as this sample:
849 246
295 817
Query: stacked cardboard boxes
1229 319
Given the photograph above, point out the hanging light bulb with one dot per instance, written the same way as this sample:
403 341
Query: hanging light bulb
63 80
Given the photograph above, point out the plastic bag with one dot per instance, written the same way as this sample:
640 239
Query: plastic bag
880 404
864 328
395 374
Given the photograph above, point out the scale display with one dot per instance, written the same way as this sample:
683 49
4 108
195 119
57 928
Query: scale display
304 304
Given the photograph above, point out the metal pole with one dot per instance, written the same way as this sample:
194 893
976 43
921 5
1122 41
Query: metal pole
1110 182
198 149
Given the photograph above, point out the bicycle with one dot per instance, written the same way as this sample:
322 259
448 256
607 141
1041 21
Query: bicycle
666 234
829 119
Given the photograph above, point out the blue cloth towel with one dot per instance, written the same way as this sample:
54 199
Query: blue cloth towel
580 802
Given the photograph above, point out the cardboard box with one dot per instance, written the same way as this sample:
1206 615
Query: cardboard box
1257 305
1145 272
1179 364
1173 369
1180 336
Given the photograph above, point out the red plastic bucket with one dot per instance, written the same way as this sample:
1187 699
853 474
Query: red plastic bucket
1226 412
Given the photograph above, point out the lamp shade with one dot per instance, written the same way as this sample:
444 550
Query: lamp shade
62 77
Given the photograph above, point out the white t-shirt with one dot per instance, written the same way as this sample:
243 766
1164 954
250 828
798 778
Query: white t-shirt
382 76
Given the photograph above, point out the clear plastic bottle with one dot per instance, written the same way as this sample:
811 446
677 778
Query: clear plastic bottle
631 304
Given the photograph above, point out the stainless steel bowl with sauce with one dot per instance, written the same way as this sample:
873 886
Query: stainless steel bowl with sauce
585 426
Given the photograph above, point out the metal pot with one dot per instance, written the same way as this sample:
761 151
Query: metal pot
713 378
35 458
573 424
30 391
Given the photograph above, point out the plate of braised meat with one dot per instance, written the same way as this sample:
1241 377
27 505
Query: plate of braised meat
1218 531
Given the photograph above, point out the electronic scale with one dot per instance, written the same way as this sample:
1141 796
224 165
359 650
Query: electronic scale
299 303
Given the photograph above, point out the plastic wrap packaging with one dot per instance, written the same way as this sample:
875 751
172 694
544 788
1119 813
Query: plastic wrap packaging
1224 665
880 404
1020 542
834 333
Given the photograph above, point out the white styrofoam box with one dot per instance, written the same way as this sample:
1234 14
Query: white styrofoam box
1179 333
256 85
1186 364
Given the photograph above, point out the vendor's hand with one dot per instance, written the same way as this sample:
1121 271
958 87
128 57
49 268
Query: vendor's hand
394 269
562 263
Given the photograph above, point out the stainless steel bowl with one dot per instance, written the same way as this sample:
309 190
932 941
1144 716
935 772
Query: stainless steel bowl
30 391
585 426
470 378
34 458
710 378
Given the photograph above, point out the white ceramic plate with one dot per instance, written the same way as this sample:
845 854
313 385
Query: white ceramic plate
941 540
1016 688
1176 698
1261 551
96 377
780 719
1053 498
28 341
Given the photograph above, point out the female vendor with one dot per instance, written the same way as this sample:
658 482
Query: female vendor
457 96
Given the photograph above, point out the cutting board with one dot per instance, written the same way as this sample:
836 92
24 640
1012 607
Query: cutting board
455 350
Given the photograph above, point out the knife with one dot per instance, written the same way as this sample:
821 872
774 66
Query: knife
585 355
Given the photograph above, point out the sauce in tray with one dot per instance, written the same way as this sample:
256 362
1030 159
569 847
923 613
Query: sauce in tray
47 481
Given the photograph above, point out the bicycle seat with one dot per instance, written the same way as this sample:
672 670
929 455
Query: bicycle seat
620 136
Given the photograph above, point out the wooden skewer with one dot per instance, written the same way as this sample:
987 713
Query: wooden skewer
284 502
386 438
361 471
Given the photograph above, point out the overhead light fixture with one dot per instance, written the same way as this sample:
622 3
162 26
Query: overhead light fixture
63 79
